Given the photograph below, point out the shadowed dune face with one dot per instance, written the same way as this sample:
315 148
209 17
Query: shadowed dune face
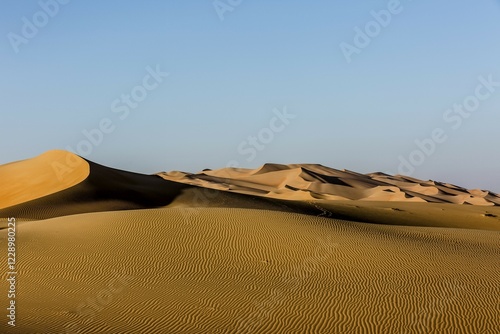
49 173
316 182
99 188
65 184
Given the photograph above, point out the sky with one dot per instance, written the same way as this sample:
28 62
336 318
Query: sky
409 87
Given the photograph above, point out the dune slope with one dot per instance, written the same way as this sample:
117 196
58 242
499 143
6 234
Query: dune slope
100 188
49 173
279 249
317 182
65 184
226 270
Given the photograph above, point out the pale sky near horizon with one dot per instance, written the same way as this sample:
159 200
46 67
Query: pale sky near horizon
70 68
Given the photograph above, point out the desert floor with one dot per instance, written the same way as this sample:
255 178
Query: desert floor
93 258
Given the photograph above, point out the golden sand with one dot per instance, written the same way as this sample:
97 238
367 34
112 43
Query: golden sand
242 251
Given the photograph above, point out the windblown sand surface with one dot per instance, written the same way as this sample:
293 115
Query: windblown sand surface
224 256
311 182
252 271
48 185
46 174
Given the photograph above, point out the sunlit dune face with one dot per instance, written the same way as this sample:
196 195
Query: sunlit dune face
46 174
316 182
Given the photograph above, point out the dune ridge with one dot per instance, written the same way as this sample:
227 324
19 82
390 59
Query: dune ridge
59 183
317 182
46 174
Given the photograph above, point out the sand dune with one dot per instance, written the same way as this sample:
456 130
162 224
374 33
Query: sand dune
39 194
226 270
309 181
272 187
61 183
278 249
46 174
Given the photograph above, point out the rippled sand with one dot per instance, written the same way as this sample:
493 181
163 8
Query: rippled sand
119 252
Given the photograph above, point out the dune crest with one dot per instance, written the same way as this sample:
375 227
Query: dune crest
46 174
310 182
60 183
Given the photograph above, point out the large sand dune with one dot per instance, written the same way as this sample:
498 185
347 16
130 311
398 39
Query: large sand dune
280 249
46 174
310 182
60 183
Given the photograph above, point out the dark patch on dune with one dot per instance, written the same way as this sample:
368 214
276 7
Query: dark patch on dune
134 188
109 189
105 189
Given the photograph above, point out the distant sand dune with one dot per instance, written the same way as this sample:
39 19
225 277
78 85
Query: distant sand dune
309 181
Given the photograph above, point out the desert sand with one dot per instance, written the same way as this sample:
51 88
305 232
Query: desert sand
280 249
46 174
310 182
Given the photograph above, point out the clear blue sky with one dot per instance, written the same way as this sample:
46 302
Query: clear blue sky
227 76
